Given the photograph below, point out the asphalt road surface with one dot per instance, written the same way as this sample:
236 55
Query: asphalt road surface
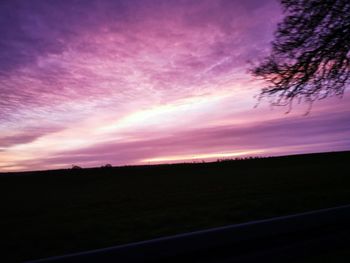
283 239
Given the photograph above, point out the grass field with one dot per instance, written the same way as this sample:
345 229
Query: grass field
56 212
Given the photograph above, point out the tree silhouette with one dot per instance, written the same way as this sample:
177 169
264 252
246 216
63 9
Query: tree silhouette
108 165
310 57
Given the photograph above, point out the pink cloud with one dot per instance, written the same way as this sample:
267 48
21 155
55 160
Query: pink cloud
126 81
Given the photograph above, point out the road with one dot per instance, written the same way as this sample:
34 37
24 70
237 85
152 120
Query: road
282 239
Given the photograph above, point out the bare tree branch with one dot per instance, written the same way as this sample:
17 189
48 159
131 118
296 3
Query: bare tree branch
310 57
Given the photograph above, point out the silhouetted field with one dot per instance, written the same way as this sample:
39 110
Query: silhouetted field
50 213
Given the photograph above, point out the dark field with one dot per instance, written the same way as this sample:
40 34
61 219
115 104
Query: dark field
56 212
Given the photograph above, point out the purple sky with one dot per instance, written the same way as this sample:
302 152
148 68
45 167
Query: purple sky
146 81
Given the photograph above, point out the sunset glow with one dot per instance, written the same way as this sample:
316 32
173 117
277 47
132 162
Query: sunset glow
152 81
196 157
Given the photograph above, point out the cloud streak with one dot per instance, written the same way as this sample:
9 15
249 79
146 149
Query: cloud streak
89 82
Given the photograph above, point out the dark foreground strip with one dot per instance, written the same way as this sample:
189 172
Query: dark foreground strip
280 239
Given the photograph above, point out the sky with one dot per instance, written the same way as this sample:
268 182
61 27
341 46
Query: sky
146 81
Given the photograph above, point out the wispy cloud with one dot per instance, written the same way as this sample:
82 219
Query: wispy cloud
127 81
